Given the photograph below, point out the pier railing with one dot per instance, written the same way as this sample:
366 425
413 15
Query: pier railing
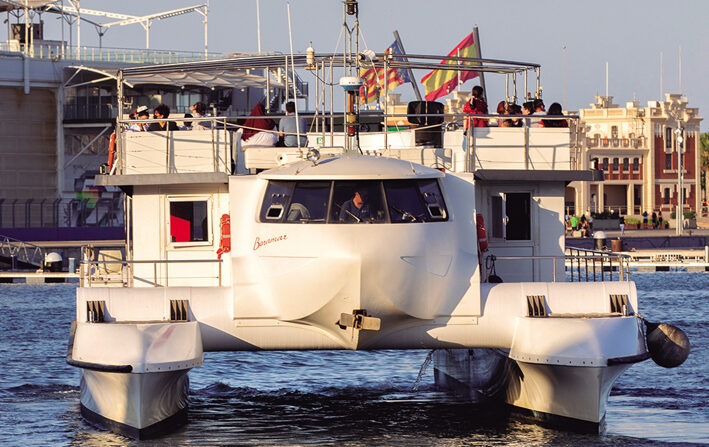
580 265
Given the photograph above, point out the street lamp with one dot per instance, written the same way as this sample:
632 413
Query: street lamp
679 212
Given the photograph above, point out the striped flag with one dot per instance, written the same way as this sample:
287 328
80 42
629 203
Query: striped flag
441 82
373 78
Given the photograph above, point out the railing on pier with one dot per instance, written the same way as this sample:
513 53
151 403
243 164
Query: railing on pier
581 265
104 272
20 251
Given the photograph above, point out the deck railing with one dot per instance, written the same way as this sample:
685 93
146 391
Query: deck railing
104 272
580 265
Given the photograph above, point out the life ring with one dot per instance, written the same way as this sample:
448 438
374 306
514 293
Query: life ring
225 240
111 152
482 234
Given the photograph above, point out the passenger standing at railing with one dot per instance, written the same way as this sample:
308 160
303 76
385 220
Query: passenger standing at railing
162 112
554 110
538 105
476 106
143 114
199 110
257 130
528 109
515 109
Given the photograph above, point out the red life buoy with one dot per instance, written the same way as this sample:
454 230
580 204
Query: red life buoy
225 240
482 234
111 152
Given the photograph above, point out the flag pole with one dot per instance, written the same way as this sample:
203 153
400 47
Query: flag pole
481 74
414 85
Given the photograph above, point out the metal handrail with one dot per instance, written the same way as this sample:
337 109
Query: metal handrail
127 270
594 262
21 250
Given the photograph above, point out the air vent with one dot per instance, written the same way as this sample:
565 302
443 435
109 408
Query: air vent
178 310
95 311
619 304
536 306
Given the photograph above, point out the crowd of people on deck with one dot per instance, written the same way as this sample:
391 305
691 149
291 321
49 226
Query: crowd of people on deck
477 105
257 130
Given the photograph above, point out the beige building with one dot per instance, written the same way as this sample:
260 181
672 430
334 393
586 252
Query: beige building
637 148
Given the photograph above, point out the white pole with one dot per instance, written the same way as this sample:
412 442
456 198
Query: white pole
680 70
258 26
206 15
295 93
661 87
563 47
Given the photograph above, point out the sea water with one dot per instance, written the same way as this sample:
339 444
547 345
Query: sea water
342 397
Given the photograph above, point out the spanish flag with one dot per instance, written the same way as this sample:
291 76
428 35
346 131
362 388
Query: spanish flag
374 79
441 82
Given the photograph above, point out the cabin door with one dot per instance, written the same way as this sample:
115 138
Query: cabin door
510 234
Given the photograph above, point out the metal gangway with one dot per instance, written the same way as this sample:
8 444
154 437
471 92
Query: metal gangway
20 254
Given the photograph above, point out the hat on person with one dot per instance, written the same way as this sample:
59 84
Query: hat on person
141 109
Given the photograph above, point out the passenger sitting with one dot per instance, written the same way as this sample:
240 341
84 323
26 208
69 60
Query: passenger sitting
162 112
539 109
199 110
355 209
476 106
187 125
515 109
289 128
501 110
253 134
554 110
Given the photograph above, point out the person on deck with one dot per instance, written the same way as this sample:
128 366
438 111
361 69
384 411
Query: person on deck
199 110
659 219
162 112
554 110
476 106
253 134
645 219
288 128
653 219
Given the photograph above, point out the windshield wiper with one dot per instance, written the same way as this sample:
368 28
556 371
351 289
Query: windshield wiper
351 215
404 214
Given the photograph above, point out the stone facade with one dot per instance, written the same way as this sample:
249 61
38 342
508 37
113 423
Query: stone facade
637 148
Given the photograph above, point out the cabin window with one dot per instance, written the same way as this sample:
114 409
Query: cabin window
511 216
414 201
519 216
309 202
275 201
395 201
188 221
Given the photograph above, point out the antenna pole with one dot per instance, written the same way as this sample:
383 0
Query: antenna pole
481 74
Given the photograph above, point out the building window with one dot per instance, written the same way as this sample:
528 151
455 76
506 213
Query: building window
668 161
594 164
668 138
614 131
605 164
636 164
626 165
615 165
666 196
188 221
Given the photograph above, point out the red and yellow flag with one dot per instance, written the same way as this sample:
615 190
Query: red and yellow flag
441 82
373 78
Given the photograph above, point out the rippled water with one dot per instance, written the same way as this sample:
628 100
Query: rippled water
342 397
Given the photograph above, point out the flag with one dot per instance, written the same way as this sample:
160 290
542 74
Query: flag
441 82
373 78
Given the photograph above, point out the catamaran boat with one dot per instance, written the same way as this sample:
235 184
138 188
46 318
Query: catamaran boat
360 241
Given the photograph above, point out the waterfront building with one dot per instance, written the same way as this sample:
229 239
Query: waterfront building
637 148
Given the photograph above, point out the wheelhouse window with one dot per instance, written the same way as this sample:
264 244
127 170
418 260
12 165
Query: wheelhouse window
188 221
344 201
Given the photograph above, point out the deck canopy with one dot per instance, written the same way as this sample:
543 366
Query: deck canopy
211 79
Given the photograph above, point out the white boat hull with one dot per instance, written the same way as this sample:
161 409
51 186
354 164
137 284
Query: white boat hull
137 405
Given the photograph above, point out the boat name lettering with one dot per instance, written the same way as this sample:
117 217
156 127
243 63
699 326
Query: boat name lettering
258 243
